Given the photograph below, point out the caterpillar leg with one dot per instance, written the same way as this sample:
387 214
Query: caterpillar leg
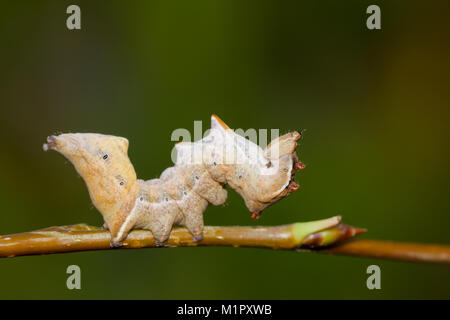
161 227
159 220
120 228
194 223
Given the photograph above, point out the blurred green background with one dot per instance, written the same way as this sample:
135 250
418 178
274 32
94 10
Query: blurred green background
375 106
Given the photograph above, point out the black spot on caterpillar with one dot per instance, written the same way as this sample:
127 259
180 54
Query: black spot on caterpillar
182 193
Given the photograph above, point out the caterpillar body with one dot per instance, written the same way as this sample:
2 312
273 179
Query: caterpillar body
182 193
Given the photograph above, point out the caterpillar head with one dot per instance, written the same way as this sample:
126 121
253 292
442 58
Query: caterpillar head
102 161
269 174
275 180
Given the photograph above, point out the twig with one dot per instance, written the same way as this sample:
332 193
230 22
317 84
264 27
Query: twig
404 251
295 236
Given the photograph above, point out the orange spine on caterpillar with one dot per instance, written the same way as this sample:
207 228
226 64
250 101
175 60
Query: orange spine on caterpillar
182 193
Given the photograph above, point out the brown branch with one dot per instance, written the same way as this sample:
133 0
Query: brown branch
404 251
290 237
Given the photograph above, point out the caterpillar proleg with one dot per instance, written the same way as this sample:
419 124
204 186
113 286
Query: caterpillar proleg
182 193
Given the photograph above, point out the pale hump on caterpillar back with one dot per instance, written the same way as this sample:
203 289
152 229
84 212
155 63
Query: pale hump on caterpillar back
181 194
103 163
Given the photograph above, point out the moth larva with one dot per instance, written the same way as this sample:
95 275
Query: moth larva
182 193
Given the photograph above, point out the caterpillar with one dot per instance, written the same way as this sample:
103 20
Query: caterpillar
182 193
